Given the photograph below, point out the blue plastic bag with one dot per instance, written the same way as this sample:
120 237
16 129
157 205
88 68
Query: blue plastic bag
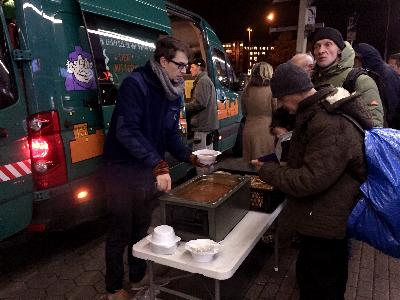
376 217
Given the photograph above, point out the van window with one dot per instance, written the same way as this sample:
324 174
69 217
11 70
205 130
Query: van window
8 90
118 48
218 58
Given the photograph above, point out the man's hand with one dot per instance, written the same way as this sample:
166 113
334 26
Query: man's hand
195 161
163 182
258 164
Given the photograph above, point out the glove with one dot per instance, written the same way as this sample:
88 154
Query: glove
195 161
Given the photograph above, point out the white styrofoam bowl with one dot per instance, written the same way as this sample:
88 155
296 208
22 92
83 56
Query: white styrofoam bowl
163 249
163 235
207 156
203 250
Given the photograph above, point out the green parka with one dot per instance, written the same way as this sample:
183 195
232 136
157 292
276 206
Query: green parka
365 85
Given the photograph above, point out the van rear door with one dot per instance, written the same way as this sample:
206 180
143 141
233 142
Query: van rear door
122 38
15 171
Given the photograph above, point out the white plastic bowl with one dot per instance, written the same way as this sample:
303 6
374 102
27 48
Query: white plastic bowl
207 156
203 250
164 235
163 249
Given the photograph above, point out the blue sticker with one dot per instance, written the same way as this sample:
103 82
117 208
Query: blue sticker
80 71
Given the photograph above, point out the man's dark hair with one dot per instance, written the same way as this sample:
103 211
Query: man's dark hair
396 57
168 46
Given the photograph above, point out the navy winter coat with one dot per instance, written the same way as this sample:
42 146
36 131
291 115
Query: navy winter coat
372 59
144 123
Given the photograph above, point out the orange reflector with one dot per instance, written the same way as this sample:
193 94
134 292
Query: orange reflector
82 196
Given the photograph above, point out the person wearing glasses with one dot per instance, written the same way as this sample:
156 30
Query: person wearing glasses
143 127
202 107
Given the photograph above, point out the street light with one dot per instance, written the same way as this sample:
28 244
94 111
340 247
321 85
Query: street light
249 30
270 17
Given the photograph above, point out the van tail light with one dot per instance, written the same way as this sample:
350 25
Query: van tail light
47 150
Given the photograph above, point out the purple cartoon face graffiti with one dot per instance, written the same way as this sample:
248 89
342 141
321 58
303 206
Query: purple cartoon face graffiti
80 69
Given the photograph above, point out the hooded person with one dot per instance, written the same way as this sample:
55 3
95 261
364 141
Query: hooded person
324 171
334 61
371 59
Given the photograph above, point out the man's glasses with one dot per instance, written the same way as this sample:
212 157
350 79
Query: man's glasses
181 66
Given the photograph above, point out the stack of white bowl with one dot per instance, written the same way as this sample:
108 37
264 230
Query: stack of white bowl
163 240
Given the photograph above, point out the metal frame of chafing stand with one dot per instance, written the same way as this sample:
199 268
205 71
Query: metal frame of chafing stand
217 287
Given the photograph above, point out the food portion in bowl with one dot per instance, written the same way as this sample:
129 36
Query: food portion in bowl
203 250
207 156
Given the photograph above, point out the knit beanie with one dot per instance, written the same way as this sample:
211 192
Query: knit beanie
289 79
329 33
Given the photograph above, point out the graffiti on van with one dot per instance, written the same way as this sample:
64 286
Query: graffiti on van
80 71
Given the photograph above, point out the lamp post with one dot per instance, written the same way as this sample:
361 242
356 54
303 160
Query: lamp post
249 30
270 17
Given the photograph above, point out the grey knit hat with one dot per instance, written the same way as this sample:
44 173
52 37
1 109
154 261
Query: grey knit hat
289 79
331 34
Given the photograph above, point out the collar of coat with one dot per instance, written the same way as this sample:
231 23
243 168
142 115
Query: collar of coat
335 101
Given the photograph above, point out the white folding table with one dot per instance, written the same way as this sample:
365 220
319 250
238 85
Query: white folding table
236 247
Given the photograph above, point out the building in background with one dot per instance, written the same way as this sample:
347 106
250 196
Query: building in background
243 57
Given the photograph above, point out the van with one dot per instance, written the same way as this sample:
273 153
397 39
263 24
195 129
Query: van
61 63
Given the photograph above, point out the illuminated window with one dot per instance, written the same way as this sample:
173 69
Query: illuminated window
255 58
251 53
250 64
234 44
263 53
272 48
241 45
251 58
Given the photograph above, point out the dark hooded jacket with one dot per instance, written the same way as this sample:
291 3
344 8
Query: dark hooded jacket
144 123
372 60
326 164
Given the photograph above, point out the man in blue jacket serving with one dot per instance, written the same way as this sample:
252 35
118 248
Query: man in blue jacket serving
144 125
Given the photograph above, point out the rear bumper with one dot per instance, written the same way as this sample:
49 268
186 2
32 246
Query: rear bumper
59 208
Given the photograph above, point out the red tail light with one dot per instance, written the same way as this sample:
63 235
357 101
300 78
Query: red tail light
47 150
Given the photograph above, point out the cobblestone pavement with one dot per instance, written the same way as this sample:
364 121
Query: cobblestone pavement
70 265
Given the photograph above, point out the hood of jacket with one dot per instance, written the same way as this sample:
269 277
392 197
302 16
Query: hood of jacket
340 101
370 57
345 61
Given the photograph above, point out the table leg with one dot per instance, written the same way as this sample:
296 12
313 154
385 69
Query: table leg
152 291
217 290
276 246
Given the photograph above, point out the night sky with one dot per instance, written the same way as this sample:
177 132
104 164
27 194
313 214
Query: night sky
231 18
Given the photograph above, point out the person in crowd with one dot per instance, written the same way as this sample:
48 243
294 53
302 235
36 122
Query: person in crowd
334 61
257 108
394 62
144 125
202 106
325 168
304 61
390 91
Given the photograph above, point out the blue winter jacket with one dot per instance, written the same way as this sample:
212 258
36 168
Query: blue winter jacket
144 123
372 59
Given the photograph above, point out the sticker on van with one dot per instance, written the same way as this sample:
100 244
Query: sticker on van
80 71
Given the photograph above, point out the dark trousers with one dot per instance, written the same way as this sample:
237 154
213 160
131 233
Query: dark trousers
131 199
321 268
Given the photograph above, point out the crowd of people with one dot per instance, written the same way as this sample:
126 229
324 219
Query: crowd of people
321 168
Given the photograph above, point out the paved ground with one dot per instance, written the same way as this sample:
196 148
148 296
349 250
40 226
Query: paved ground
70 265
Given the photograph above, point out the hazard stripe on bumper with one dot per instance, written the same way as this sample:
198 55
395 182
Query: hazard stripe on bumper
15 170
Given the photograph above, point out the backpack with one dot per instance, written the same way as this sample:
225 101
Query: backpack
350 85
375 218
